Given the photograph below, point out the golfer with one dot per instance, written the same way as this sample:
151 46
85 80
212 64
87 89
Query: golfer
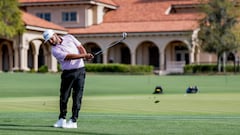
70 54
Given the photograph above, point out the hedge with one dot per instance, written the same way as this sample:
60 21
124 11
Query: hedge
207 68
119 68
43 69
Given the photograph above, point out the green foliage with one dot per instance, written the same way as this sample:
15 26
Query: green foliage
43 69
216 35
32 71
59 69
207 68
119 68
204 68
11 22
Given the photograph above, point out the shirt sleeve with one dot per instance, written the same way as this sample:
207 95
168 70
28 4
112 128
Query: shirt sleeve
75 41
59 54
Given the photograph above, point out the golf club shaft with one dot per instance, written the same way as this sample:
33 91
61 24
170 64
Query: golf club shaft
111 45
101 51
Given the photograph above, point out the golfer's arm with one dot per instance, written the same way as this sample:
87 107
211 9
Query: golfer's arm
75 56
81 49
83 54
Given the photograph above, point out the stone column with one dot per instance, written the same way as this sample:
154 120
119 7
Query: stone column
35 61
16 55
133 58
52 64
23 58
162 57
192 51
105 60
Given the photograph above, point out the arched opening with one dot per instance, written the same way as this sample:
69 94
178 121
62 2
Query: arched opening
181 53
5 59
153 56
119 54
41 60
6 55
177 51
147 53
125 55
177 55
31 57
94 48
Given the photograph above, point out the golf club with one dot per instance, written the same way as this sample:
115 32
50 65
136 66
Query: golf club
124 35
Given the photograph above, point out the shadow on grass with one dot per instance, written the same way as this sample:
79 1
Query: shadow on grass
39 128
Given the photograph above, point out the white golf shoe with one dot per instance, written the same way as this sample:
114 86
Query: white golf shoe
61 123
71 124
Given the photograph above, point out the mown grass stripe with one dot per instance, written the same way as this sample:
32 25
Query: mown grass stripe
165 117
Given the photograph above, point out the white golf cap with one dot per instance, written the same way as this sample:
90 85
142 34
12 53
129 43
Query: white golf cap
47 34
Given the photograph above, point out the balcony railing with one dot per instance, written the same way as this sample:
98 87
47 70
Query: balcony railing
175 66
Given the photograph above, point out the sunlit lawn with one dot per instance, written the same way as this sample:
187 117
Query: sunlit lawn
123 105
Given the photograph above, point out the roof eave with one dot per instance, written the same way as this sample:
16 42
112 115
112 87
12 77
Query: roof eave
36 28
133 34
29 4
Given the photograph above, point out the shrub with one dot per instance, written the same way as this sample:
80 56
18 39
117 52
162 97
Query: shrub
31 70
59 69
206 68
43 69
119 68
200 68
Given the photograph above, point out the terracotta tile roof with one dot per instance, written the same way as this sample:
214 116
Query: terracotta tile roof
144 10
31 20
144 16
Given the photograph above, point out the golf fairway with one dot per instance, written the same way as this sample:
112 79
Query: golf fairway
176 104
122 105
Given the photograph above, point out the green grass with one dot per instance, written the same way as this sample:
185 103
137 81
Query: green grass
123 105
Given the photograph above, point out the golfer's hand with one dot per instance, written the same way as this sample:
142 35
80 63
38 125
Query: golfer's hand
89 56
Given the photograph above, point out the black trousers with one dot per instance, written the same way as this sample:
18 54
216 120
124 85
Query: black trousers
72 82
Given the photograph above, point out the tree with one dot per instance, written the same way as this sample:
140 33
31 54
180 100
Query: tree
11 23
217 33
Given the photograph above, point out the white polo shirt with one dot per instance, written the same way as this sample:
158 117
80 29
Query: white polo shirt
68 46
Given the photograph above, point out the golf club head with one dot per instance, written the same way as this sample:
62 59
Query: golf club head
124 35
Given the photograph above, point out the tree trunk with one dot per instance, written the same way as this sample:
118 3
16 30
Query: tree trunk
219 63
224 62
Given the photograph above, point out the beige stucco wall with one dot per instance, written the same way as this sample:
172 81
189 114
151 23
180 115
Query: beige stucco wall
86 15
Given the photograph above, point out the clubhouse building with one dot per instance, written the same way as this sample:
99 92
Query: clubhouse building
161 33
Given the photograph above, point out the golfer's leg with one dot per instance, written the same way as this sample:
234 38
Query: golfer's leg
78 87
65 90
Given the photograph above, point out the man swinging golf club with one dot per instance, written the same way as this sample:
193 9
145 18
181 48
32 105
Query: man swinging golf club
70 54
